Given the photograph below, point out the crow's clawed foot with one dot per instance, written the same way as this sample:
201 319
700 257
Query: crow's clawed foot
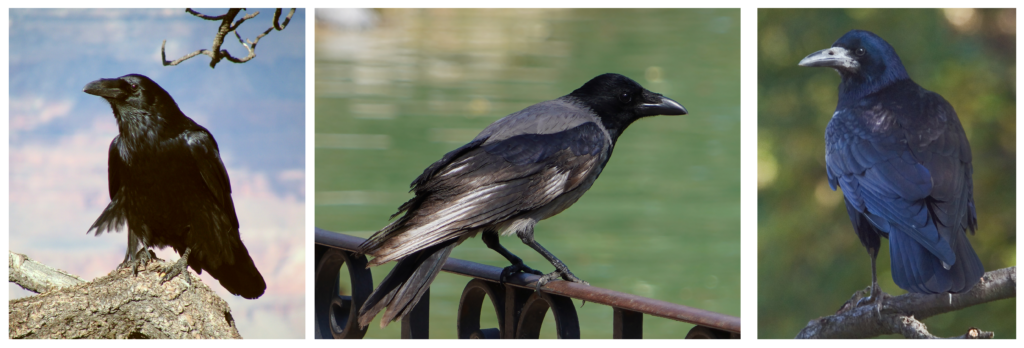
142 258
179 267
516 268
567 276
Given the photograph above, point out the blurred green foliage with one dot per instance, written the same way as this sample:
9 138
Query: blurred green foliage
809 259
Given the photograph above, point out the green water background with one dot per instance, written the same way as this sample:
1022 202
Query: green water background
663 219
809 259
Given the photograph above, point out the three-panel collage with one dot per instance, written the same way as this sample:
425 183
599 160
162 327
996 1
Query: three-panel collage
499 173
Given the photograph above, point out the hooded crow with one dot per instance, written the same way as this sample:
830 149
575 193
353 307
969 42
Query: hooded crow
169 186
903 161
523 168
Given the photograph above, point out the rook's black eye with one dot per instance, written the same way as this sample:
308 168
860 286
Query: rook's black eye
859 52
625 97
134 86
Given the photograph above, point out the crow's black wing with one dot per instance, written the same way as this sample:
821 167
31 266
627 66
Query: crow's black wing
492 183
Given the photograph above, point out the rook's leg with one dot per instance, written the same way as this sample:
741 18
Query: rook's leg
877 296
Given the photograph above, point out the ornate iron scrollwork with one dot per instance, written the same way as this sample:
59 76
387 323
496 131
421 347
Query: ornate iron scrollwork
468 324
337 315
567 324
519 308
520 312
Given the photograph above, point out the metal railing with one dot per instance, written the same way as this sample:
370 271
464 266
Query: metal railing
520 309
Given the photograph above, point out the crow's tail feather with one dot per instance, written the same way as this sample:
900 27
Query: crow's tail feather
401 290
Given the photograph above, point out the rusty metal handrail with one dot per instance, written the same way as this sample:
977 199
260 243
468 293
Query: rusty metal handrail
626 305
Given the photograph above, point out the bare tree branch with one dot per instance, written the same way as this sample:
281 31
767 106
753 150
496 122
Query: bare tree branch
227 25
37 277
900 315
123 305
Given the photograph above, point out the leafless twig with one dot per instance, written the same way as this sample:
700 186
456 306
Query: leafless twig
900 315
227 25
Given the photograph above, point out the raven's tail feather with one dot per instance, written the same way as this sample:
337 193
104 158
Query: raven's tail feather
112 218
239 275
915 269
401 290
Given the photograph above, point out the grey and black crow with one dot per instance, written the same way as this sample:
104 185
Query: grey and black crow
903 161
523 168
168 185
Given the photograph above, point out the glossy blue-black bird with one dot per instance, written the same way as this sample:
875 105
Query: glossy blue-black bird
523 168
902 159
168 185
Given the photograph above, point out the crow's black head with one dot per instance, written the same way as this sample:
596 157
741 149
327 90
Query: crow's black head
865 61
133 96
619 101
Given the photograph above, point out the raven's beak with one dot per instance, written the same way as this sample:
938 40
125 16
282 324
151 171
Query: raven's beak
832 57
107 88
665 106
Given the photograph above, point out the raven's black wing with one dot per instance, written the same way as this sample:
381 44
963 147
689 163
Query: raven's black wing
113 217
485 183
207 157
219 248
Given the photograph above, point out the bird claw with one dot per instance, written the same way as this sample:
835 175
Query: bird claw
179 267
876 298
567 276
509 271
142 257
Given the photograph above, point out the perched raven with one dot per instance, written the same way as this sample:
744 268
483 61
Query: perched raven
168 185
523 168
903 161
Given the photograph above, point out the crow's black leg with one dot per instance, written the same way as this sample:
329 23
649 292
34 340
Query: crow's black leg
179 267
490 238
561 271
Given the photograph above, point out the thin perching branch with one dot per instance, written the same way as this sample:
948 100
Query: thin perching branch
901 314
227 25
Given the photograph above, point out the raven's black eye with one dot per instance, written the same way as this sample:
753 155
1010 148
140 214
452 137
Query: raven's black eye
859 52
134 86
625 97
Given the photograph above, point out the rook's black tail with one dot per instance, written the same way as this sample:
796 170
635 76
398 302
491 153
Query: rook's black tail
915 269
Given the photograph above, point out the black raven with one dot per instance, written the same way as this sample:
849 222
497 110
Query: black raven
903 161
523 168
169 186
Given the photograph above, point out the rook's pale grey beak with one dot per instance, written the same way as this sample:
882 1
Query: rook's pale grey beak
665 107
832 57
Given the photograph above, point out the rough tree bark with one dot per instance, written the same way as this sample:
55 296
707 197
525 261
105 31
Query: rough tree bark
121 305
900 315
